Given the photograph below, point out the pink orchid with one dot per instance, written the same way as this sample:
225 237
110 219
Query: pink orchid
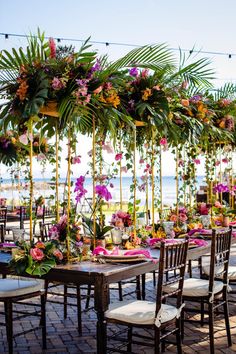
41 157
181 163
196 161
76 159
124 169
225 160
217 163
23 139
144 73
141 161
108 148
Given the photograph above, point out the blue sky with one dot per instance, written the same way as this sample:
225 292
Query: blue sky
208 25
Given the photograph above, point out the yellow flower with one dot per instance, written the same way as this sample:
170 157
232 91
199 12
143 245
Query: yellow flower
146 94
13 140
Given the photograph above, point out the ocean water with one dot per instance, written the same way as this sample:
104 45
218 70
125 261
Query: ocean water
168 188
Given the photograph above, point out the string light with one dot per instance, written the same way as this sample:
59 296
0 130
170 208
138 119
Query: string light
6 35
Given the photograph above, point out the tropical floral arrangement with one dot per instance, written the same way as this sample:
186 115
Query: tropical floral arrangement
35 258
121 219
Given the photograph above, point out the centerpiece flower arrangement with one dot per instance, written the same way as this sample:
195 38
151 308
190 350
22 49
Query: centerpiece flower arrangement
121 219
35 258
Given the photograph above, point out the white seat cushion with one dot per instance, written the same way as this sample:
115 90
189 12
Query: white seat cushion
195 287
16 287
139 312
219 270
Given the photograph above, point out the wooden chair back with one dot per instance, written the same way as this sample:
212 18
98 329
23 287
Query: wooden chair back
44 231
219 259
3 216
172 264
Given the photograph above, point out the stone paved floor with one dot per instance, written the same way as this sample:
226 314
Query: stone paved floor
62 336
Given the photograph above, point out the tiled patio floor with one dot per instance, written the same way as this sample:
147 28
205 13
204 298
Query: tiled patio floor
62 336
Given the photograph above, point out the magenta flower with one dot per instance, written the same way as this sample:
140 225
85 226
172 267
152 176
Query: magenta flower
103 192
181 163
217 163
133 72
141 161
225 160
118 156
196 161
163 141
79 188
144 73
52 47
221 188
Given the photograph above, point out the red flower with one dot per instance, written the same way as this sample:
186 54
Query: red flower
52 46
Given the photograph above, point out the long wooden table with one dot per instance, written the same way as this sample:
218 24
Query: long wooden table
100 276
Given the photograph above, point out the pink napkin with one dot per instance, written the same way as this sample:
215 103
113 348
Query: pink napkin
152 241
199 242
100 250
138 252
202 231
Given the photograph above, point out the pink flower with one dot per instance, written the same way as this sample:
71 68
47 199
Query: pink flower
41 157
181 163
183 217
124 169
118 156
52 46
218 205
217 163
37 254
58 254
119 223
53 233
57 84
111 185
141 161
108 148
196 161
76 159
225 160
23 139
163 141
98 90
144 73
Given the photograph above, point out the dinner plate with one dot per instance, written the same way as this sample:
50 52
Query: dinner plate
123 259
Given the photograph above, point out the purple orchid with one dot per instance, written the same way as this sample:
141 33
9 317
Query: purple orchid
103 192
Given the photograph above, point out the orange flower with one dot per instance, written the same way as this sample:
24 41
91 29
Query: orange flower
185 102
146 94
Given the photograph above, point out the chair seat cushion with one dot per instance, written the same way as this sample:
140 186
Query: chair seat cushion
139 312
17 287
195 287
219 270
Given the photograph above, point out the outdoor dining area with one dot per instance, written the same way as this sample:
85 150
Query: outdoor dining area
124 277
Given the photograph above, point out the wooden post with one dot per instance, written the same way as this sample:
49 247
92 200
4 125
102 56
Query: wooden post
68 194
31 179
57 175
135 182
121 201
93 176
